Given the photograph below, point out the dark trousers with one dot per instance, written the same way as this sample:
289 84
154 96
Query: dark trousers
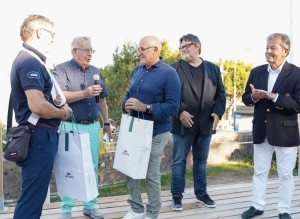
36 173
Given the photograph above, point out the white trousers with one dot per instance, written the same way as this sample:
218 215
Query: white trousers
286 161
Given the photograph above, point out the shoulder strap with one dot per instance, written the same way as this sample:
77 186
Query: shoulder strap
9 113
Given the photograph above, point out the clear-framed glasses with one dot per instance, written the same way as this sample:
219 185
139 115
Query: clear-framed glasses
87 50
141 49
187 46
52 33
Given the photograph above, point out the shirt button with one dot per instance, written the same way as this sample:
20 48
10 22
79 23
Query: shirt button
265 121
268 110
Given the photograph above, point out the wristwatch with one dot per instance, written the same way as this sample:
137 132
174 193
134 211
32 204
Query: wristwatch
148 107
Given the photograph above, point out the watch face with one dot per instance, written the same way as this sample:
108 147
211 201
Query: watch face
148 106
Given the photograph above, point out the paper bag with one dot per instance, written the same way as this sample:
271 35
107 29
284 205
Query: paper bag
73 166
102 146
133 147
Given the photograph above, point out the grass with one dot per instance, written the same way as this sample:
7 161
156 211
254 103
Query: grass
223 173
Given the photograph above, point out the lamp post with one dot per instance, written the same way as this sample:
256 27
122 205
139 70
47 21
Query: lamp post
234 96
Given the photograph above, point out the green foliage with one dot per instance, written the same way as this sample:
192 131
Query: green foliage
242 74
170 56
117 78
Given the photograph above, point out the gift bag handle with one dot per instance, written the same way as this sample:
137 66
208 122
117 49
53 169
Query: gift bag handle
63 126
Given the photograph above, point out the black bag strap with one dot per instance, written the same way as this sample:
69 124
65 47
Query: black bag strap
9 113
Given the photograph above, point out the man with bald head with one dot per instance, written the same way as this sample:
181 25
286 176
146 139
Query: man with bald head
155 91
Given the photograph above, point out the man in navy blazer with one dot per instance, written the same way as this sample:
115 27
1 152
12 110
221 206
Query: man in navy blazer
274 91
202 105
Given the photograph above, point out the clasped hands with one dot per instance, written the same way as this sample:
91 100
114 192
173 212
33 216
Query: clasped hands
258 94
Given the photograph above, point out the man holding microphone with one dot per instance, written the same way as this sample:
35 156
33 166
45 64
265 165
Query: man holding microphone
85 91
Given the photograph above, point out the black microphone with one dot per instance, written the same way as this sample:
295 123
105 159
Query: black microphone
96 82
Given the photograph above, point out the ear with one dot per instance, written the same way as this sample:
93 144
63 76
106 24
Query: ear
38 33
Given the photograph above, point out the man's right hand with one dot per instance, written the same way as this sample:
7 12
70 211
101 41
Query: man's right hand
186 119
93 90
257 94
67 112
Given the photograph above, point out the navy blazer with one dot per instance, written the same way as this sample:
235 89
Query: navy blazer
276 121
213 98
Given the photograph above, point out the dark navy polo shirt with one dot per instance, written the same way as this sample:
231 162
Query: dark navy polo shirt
72 77
29 73
159 86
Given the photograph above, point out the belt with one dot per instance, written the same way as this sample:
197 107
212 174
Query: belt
85 122
46 125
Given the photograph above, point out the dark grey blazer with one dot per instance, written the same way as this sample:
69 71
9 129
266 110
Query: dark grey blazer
213 98
278 122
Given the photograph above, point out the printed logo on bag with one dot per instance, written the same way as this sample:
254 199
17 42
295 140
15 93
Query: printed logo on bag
33 74
125 152
69 175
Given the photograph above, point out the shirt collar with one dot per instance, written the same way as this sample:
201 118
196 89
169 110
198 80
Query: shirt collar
157 64
278 70
79 66
39 54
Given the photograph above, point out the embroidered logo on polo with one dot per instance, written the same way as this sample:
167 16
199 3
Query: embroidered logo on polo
125 152
69 175
33 74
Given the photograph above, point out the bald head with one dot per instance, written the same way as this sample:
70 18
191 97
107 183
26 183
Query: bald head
152 41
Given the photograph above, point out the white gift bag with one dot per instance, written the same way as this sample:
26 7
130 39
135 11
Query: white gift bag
73 166
133 147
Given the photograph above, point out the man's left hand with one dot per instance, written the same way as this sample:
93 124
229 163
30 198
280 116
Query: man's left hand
216 121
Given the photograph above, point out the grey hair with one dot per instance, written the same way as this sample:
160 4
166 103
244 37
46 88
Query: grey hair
77 40
191 38
285 40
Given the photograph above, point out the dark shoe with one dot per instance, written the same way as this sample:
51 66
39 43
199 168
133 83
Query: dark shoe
251 212
176 204
206 200
93 213
284 216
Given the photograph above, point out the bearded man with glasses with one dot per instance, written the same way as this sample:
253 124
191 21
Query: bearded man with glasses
202 105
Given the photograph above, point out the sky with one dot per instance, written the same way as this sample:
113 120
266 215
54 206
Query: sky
227 29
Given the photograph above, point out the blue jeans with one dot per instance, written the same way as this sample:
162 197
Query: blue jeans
181 148
36 173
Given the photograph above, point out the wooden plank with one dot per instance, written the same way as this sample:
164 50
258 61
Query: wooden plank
231 199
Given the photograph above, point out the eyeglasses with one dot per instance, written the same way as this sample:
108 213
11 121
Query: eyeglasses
86 50
141 49
187 46
52 33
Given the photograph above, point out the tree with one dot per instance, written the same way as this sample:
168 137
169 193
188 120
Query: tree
170 56
117 77
242 74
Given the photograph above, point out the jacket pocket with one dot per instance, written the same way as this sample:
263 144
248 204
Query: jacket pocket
290 123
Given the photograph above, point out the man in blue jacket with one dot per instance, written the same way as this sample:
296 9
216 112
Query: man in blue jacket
155 91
